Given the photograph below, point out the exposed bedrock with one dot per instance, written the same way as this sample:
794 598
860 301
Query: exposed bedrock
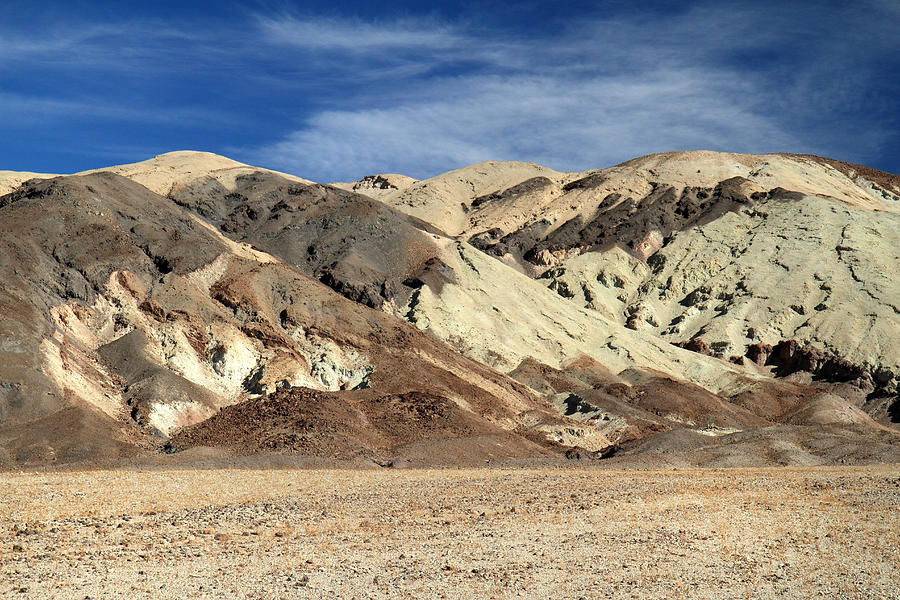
726 309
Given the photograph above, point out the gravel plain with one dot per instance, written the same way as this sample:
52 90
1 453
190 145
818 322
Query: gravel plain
446 533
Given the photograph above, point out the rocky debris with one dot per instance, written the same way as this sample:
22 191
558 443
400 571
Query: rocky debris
648 246
759 353
640 316
339 278
379 185
487 241
549 258
790 356
350 425
803 531
375 182
696 345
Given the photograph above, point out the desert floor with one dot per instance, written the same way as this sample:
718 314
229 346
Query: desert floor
477 533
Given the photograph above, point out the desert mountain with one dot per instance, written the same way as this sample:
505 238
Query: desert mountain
163 174
377 186
10 180
167 173
689 308
721 249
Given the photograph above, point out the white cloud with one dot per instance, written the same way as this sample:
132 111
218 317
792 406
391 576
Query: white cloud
420 96
57 43
354 35
717 77
563 123
361 52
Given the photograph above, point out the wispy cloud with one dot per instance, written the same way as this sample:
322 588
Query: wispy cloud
98 47
365 51
714 76
355 35
339 97
566 124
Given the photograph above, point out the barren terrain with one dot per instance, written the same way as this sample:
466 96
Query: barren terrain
681 309
477 533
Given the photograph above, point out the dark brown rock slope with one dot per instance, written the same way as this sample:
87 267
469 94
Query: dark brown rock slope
123 308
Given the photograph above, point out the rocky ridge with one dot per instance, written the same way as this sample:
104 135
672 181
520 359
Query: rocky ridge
192 301
721 249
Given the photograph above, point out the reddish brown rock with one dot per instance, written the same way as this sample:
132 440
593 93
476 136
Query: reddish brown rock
759 353
790 356
696 345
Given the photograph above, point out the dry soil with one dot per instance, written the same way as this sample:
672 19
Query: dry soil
476 533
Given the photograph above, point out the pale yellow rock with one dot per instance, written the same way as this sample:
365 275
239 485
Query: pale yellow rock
446 200
499 317
817 270
377 186
439 200
10 180
824 269
166 173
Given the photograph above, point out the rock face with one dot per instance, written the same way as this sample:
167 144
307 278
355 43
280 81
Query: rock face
376 186
359 247
815 270
503 310
738 251
790 357
136 312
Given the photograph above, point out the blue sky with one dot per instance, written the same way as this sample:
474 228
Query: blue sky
334 91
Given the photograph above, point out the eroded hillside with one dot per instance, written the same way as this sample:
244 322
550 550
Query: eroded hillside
720 251
730 309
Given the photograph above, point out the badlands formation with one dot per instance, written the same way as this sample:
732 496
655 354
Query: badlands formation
690 308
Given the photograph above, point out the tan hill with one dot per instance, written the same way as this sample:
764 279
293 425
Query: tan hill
377 186
162 174
513 196
10 180
127 318
167 173
445 200
191 301
727 250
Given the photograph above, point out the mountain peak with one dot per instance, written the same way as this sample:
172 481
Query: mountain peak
166 173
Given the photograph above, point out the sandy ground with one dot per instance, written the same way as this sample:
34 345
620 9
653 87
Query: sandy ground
483 533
